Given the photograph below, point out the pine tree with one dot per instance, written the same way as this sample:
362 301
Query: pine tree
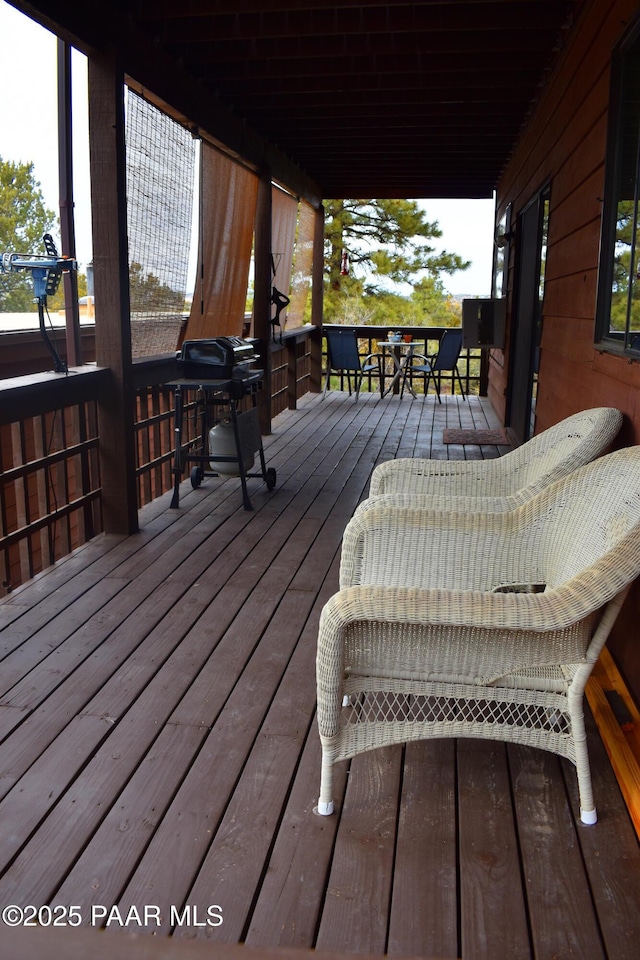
385 242
23 221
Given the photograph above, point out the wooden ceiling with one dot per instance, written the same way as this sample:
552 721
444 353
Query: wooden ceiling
369 98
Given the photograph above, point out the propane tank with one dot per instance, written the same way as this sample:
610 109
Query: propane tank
222 443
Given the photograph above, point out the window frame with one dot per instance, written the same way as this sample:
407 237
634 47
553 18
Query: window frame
604 337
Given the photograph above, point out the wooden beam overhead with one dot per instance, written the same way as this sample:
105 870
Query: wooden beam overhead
168 9
461 89
539 16
101 27
393 24
278 83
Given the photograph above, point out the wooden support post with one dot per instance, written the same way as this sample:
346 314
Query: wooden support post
111 280
483 388
292 372
317 281
67 226
262 294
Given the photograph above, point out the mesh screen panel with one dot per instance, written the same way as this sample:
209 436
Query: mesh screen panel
160 182
283 231
302 265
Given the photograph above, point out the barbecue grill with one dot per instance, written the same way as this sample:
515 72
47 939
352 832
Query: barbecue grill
221 372
223 358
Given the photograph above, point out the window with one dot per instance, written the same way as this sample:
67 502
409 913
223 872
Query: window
618 314
501 254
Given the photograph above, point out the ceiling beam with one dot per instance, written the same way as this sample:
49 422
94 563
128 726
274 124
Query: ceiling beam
99 26
439 67
167 9
393 23
461 88
398 48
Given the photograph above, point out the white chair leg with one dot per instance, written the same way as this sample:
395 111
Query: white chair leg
588 813
325 802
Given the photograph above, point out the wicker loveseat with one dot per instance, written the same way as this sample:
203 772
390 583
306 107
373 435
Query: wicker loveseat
486 625
504 483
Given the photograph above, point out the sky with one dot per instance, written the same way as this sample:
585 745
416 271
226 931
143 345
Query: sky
28 129
28 115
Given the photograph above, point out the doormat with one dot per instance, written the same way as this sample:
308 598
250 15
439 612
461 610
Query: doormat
476 436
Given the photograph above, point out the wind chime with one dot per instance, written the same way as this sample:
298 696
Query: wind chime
344 270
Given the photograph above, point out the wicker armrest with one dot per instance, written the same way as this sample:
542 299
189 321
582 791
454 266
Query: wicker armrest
450 636
456 562
439 636
473 609
440 503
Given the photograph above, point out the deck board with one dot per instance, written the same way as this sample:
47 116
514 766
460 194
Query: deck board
492 904
158 741
614 890
423 908
561 913
357 899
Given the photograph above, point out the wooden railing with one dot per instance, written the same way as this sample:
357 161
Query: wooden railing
291 369
472 365
49 469
50 485
50 482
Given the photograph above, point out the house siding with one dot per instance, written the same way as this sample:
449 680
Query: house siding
564 145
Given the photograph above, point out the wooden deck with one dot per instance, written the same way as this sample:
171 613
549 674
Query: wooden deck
158 745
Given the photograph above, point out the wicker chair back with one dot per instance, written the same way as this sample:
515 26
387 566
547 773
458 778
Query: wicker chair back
505 482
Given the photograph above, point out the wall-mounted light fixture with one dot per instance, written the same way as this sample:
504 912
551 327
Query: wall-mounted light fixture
503 237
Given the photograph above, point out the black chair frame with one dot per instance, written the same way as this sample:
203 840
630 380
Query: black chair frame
343 358
444 360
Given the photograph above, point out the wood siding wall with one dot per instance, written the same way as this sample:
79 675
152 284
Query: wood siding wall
564 145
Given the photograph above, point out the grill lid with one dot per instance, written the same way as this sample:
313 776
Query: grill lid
221 351
218 358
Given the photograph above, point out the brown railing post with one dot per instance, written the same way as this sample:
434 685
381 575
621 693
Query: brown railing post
317 281
292 372
67 227
262 294
111 278
483 387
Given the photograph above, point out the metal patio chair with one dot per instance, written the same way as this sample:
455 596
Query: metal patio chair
445 360
343 357
478 625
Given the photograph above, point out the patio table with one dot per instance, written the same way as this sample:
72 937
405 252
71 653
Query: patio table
400 352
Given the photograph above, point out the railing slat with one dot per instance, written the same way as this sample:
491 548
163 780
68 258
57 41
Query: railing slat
18 536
